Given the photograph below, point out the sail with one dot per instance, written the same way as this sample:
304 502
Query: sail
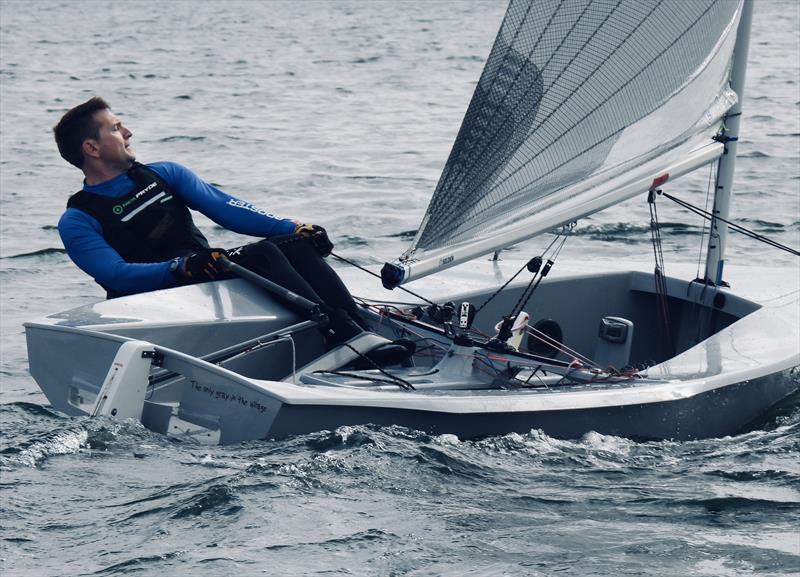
580 105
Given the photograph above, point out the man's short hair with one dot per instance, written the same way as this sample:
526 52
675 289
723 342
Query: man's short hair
76 126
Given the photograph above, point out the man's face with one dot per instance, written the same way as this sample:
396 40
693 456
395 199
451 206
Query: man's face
113 141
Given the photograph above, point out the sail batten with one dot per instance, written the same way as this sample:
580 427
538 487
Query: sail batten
577 91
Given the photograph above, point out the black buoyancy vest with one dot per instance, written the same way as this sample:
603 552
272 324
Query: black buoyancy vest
147 224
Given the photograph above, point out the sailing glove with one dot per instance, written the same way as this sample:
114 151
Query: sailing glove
319 237
203 265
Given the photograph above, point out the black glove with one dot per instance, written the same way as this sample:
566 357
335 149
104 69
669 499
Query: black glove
200 266
319 237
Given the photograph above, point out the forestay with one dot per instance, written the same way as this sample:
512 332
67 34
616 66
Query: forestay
581 104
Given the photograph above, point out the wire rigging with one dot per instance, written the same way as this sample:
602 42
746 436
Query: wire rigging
735 227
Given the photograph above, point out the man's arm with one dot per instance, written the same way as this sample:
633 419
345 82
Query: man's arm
227 211
82 237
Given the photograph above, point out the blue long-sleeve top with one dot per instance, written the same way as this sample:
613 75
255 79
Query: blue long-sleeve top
83 238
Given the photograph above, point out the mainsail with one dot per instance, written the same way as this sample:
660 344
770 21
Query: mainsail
581 104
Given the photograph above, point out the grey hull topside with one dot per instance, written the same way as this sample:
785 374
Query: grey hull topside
712 387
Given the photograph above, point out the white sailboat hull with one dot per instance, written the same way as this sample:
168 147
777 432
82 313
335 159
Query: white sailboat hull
709 389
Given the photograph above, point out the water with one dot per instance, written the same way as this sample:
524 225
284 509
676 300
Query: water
343 114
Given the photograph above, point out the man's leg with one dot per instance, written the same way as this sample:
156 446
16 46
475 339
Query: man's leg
320 276
267 260
295 265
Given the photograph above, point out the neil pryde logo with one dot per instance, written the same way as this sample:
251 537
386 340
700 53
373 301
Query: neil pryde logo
118 208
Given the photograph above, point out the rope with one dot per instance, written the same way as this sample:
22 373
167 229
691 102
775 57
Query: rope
561 347
351 263
528 293
499 290
658 273
403 384
362 377
535 266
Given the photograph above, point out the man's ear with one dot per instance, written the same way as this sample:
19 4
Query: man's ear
90 148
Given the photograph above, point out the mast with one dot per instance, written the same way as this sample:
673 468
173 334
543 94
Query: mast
718 235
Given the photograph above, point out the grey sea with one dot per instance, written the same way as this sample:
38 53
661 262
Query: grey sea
343 113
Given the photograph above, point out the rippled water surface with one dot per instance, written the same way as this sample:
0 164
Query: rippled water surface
343 113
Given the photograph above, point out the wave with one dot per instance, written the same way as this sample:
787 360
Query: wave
34 452
736 505
397 451
342 438
468 58
444 460
366 60
137 564
72 435
351 539
216 497
181 137
406 235
764 226
753 154
42 252
632 233
350 241
31 409
180 500
754 475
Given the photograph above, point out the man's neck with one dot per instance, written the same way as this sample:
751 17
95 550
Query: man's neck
99 174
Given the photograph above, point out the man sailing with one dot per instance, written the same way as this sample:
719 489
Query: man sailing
131 230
